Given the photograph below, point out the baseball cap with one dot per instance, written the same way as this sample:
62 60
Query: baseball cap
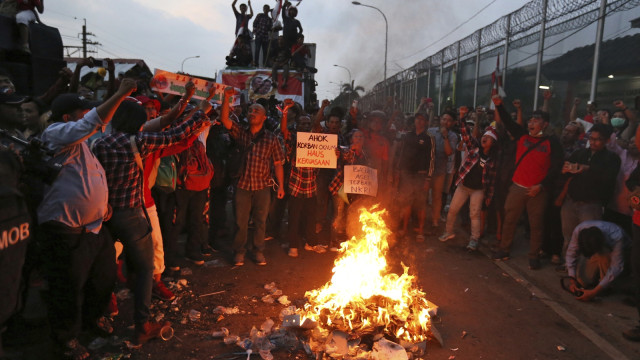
68 103
11 98
145 99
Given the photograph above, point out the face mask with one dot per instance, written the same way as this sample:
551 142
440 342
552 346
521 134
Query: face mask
617 122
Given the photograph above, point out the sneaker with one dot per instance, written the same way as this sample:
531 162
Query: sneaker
534 264
293 252
556 260
174 268
197 260
112 308
149 330
161 292
446 236
320 249
472 245
208 250
238 260
269 237
632 334
308 247
260 260
500 255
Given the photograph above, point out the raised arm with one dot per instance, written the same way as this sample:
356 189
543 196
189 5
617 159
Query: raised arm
226 107
288 104
233 6
316 127
250 11
631 116
546 95
573 114
162 122
109 107
518 105
512 127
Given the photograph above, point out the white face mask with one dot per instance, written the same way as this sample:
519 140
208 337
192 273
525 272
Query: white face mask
617 122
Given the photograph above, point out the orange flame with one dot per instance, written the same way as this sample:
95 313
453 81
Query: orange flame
362 296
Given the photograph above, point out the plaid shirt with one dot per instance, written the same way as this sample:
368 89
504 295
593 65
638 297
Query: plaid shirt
116 156
262 26
348 158
302 180
488 172
261 154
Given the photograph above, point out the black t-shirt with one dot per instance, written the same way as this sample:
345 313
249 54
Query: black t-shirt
473 180
242 20
416 153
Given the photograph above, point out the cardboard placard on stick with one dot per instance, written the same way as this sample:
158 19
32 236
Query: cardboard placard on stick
360 179
316 150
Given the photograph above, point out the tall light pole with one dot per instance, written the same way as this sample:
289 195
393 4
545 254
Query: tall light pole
350 83
386 33
185 59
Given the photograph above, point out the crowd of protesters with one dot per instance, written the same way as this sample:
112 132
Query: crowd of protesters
111 185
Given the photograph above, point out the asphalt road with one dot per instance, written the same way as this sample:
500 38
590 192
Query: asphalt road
506 310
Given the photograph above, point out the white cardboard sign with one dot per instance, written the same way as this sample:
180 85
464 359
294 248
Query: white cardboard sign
316 150
359 179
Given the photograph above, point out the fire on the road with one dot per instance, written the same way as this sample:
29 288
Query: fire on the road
363 297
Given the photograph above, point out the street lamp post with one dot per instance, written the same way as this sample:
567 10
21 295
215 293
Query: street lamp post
386 33
185 59
350 82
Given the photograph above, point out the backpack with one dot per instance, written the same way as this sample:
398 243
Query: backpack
195 168
167 174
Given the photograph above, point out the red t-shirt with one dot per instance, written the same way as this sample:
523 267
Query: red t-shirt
535 165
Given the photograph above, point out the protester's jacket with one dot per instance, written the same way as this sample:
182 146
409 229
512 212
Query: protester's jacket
543 164
473 156
596 184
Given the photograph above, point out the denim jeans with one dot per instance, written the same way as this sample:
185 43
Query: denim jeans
254 205
517 200
132 228
475 208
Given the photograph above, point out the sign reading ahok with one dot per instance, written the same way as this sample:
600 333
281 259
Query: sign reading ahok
359 179
316 150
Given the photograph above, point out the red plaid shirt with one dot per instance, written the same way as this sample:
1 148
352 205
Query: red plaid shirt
263 149
116 156
488 171
302 180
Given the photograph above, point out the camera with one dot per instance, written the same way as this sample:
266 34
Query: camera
38 161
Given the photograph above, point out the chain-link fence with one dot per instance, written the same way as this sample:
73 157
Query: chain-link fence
460 74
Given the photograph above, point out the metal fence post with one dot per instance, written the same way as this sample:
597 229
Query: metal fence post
543 25
596 53
475 84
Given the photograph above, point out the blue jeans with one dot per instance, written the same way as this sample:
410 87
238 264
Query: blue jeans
254 204
131 227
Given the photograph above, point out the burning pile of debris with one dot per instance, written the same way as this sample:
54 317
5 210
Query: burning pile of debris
363 312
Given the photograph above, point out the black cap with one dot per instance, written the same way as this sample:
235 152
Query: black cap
68 103
10 98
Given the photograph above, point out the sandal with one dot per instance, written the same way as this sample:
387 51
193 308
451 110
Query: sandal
75 351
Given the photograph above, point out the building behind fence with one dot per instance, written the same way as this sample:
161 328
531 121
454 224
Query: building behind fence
546 44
